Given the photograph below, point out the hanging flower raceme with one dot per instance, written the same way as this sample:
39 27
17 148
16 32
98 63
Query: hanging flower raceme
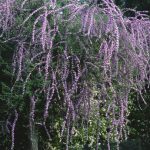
6 14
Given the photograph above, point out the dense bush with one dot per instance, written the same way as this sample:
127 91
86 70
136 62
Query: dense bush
74 66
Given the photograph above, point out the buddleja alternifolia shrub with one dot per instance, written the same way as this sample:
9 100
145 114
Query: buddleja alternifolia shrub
85 56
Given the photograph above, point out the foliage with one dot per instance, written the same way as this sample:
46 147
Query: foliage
74 66
139 120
